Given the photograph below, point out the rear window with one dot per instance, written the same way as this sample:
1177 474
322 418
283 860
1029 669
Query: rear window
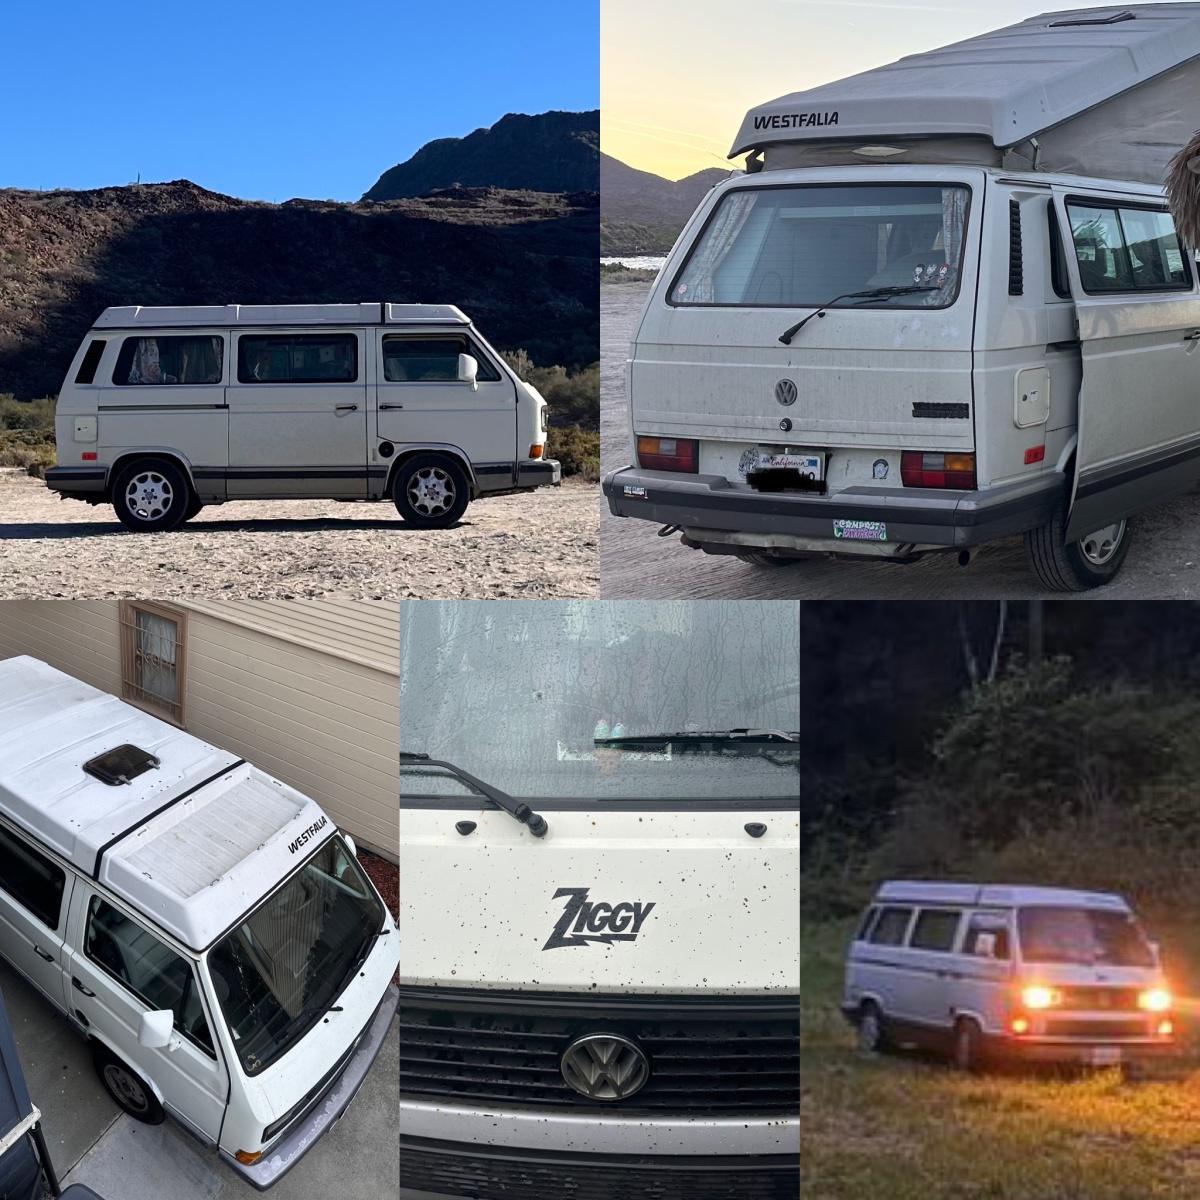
1122 249
298 358
169 360
890 928
91 360
802 246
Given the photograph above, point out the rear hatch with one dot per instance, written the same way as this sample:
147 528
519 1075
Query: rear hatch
889 371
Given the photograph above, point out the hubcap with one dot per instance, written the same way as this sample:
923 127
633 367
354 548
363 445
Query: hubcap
1100 546
149 495
868 1032
122 1084
431 491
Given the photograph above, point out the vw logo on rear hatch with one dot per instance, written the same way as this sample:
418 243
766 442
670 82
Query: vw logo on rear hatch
603 1066
786 392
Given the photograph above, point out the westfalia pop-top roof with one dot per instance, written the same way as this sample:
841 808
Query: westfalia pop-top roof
132 316
1110 92
999 895
193 842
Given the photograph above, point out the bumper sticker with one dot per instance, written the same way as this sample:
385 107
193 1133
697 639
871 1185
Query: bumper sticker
860 531
631 489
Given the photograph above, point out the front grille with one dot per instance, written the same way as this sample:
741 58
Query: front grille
496 1173
1104 1030
1100 999
732 1054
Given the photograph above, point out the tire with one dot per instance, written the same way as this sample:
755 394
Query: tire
765 560
968 1046
128 1089
192 509
1089 563
431 491
872 1032
152 496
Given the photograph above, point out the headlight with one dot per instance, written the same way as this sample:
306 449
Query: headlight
1154 1000
1037 996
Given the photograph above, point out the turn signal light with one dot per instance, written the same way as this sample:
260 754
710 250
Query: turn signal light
1166 1028
1154 1000
920 468
668 454
1019 1025
1037 996
535 451
248 1157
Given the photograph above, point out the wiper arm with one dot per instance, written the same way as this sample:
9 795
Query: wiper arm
517 809
683 738
878 293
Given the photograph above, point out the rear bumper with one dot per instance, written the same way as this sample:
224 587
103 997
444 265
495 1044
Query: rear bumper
76 481
913 516
287 1152
464 1169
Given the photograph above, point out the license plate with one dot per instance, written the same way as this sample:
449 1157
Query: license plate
1105 1056
860 531
810 466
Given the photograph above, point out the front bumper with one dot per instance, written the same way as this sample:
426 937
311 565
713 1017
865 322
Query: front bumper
287 1152
538 472
493 1172
77 481
911 516
1089 1052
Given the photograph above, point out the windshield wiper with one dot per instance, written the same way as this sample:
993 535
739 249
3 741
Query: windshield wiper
879 293
690 738
517 809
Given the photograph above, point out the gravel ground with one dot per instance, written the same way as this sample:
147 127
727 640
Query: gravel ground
1163 562
532 545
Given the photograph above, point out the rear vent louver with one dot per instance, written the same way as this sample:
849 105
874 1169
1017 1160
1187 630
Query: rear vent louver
1016 276
120 765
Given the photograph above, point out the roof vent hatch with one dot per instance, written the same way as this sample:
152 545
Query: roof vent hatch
120 765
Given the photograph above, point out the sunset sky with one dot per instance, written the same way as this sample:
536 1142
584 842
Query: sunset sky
677 76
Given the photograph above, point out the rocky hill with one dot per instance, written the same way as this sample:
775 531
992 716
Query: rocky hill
548 152
522 263
642 213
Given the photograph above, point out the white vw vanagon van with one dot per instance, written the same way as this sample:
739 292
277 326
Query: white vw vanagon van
989 972
600 871
946 304
165 410
205 927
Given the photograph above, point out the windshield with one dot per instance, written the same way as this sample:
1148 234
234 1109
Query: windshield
1085 936
803 246
279 971
541 698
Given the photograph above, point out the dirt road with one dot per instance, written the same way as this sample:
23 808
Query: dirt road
1163 562
536 545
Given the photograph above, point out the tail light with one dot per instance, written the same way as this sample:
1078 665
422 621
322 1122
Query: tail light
920 468
668 454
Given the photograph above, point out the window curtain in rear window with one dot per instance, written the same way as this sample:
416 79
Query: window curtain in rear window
954 220
698 285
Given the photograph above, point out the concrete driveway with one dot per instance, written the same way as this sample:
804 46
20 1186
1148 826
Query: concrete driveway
91 1141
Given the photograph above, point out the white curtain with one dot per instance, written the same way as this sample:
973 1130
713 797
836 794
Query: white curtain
698 285
156 650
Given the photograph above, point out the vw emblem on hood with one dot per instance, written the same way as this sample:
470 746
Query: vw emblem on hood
603 1066
786 392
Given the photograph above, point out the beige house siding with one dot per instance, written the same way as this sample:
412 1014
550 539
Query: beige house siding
307 690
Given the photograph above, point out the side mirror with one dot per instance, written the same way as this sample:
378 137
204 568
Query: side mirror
985 945
156 1029
468 370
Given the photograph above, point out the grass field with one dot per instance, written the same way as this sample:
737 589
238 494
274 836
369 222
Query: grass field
907 1127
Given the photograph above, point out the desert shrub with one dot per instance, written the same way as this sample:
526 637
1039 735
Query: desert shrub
573 396
577 449
27 414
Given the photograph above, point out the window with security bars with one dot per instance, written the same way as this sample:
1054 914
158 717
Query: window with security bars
153 658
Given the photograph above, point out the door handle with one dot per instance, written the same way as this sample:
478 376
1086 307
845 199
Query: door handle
389 407
1194 336
345 408
42 954
79 987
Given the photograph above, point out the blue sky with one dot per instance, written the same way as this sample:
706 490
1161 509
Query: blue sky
268 99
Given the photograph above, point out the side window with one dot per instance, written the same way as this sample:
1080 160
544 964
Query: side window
158 976
1127 249
935 929
298 358
160 360
431 359
91 360
153 658
31 879
890 928
984 931
1060 280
